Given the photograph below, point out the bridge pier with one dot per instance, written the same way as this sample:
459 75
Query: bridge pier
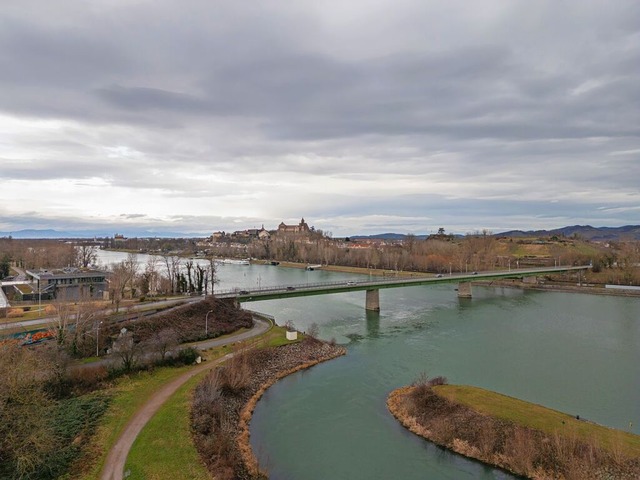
372 301
464 290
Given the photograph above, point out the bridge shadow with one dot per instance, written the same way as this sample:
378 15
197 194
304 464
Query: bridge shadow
373 324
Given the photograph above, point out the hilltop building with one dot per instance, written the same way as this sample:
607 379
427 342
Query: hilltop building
301 228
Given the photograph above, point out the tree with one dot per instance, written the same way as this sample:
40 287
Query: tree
212 273
5 265
172 264
314 330
127 349
122 276
189 266
162 342
26 432
86 255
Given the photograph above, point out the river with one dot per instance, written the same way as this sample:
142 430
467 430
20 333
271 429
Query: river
576 353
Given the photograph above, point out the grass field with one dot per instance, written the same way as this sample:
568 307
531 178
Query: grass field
129 394
164 448
540 418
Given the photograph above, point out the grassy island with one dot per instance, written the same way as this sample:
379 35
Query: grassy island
521 437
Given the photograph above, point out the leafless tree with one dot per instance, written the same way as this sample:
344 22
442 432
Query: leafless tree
162 342
63 319
122 277
314 330
172 264
212 274
127 349
86 255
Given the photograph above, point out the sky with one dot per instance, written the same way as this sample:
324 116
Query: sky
362 117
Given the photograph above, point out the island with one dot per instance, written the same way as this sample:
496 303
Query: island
517 436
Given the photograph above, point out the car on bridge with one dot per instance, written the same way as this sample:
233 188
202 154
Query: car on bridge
291 288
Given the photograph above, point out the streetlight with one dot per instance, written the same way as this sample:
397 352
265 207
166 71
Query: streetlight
206 323
98 339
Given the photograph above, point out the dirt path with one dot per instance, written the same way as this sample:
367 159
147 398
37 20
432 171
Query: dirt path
117 457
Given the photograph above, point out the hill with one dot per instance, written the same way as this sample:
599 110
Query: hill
586 232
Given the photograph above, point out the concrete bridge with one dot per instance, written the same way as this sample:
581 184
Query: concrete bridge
372 287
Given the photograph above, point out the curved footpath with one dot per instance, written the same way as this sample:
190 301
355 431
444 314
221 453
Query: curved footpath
117 457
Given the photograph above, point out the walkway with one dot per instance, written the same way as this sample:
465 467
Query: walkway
117 457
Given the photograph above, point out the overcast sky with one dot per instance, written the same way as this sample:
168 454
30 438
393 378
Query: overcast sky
361 116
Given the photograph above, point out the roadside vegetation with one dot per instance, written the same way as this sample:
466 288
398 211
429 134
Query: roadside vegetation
223 402
158 455
520 437
52 405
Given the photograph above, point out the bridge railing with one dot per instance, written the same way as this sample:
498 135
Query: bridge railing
279 288
373 281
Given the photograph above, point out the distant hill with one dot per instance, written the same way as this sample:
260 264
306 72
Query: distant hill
41 234
385 236
586 232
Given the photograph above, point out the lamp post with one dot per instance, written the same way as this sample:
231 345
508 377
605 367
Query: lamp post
98 339
206 323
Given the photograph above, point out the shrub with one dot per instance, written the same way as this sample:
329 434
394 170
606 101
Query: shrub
88 377
187 356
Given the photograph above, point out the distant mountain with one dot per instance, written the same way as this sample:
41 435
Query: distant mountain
385 236
41 234
587 232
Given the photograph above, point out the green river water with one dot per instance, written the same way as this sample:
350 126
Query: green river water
573 352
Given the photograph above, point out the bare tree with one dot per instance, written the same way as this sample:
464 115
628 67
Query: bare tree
212 273
86 255
122 277
127 349
163 342
63 319
172 264
314 330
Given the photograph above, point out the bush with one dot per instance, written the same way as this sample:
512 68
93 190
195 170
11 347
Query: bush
88 377
187 356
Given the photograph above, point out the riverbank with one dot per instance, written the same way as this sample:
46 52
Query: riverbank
224 402
358 270
591 289
519 437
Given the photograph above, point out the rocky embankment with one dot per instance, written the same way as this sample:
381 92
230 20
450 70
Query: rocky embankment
225 399
520 450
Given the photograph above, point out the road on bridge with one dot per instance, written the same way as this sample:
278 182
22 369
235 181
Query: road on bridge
307 289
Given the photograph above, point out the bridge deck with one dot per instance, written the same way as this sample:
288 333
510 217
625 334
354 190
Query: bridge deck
308 289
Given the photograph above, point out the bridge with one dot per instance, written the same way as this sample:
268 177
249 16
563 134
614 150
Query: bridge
372 287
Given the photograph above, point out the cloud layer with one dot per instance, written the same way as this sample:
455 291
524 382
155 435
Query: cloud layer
361 116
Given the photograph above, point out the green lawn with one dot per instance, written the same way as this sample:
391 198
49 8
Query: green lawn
164 448
539 417
130 393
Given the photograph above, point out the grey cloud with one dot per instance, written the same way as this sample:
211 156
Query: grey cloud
513 99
